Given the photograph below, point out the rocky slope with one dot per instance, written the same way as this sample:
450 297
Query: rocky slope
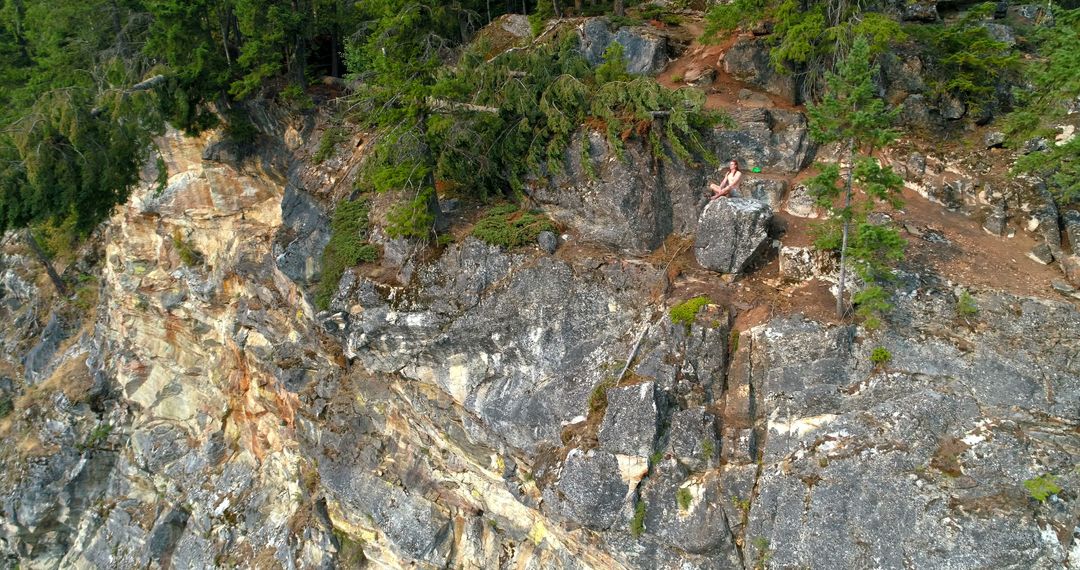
478 408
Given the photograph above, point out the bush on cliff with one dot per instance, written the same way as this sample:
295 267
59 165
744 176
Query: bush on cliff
508 226
347 247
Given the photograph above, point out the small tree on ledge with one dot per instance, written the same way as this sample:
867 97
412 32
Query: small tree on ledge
850 113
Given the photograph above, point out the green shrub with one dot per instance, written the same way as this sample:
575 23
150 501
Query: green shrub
964 60
238 127
763 546
98 435
637 524
187 254
656 457
686 312
1042 487
6 406
508 226
734 341
684 497
86 293
708 448
332 137
965 306
294 97
347 247
880 356
412 218
871 304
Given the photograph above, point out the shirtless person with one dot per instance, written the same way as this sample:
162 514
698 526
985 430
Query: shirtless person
730 182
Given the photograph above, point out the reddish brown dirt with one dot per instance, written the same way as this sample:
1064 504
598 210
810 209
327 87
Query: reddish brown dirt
968 255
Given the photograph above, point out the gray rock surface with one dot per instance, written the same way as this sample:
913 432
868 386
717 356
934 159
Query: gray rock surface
547 241
1070 220
920 11
629 426
644 51
591 491
805 263
692 440
801 203
767 191
682 512
748 60
996 220
623 205
210 417
773 139
731 232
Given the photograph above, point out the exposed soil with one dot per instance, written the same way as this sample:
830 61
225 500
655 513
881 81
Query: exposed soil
947 243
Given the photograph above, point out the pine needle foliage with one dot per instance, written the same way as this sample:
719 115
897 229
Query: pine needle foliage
963 60
850 113
484 126
809 38
508 226
347 247
1056 80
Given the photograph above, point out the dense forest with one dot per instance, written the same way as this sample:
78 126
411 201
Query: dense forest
84 87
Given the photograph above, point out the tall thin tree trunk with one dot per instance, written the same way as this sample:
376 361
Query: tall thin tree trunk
844 234
44 260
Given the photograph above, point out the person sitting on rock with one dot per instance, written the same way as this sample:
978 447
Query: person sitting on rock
729 184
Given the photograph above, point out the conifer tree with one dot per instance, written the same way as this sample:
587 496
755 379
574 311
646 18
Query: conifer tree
850 113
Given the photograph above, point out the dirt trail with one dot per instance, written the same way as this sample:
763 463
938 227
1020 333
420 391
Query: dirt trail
950 244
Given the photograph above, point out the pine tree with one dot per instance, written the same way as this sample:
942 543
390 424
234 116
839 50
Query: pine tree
851 113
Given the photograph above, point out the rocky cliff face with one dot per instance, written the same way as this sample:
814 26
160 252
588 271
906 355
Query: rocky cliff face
510 409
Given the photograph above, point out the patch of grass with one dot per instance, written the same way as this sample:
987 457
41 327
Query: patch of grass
764 552
508 226
598 398
880 356
332 137
637 524
708 448
656 457
347 247
676 78
1040 488
350 550
684 497
187 254
6 406
98 435
741 504
686 312
734 341
86 293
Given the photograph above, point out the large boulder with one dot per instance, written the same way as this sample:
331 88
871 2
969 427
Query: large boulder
1071 220
644 51
748 60
591 490
774 139
731 232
